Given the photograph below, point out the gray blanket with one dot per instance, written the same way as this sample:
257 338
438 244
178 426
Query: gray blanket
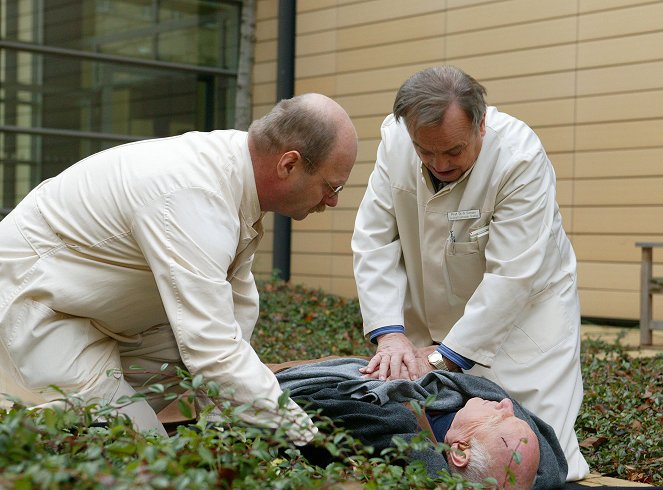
373 410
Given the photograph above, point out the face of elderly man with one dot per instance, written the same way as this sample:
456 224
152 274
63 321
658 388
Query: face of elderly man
495 426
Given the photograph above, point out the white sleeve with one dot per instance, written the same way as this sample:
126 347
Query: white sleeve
189 239
377 255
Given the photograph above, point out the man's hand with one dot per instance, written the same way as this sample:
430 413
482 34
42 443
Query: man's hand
395 351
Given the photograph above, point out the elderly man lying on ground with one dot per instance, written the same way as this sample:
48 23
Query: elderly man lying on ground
472 415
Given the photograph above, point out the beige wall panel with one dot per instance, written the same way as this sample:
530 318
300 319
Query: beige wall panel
264 93
267 9
368 149
563 163
526 62
564 192
556 139
545 113
344 286
391 31
316 20
351 198
368 12
316 65
315 222
316 43
620 191
262 263
598 5
360 174
264 72
494 14
369 127
374 105
527 88
343 220
308 5
629 49
427 50
267 30
623 21
312 242
323 84
610 304
636 220
614 248
544 33
567 218
609 275
617 163
613 135
312 264
630 77
342 265
341 242
619 107
265 51
312 282
370 81
261 110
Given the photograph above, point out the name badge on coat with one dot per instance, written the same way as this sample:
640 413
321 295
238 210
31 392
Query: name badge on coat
466 214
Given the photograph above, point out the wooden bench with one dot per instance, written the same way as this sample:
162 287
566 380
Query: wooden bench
649 285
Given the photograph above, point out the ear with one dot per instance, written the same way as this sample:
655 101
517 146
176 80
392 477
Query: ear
287 164
459 454
482 125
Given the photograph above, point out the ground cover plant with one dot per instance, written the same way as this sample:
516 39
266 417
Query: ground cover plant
619 425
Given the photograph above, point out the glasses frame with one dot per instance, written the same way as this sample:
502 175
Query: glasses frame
335 190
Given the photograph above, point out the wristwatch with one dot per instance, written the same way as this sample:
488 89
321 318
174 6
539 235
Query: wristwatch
437 360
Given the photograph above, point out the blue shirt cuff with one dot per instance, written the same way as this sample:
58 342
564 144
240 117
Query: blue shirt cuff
457 359
383 330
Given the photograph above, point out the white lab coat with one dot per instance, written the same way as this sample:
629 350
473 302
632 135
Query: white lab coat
127 240
483 265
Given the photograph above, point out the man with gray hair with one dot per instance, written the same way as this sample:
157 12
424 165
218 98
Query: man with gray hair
460 257
141 255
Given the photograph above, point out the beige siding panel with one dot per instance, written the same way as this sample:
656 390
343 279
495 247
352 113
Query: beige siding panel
565 192
617 163
419 51
391 31
265 51
315 66
640 220
567 218
556 139
618 107
545 113
342 265
264 93
314 222
323 84
609 276
307 5
624 21
369 127
614 248
264 72
316 20
597 5
370 81
367 149
312 264
267 9
316 43
360 174
526 62
368 12
344 220
612 135
507 13
563 163
341 242
610 304
344 286
377 105
312 282
267 30
311 242
630 77
629 49
530 88
620 191
545 33
350 199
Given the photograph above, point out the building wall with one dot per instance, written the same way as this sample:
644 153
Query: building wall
587 75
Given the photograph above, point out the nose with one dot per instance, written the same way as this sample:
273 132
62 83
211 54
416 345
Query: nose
332 201
506 405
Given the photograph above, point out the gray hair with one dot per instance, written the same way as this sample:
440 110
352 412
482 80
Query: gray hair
296 124
424 98
478 467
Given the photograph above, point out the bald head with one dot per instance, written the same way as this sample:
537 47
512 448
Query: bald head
313 124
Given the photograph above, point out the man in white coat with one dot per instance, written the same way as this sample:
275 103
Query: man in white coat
460 257
141 254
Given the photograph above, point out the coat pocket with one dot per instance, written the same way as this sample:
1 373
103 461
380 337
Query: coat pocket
465 265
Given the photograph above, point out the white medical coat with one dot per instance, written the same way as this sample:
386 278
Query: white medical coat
483 266
144 234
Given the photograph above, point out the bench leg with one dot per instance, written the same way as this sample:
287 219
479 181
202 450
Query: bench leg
645 297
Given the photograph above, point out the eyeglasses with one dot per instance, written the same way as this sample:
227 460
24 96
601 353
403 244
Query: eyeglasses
335 190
